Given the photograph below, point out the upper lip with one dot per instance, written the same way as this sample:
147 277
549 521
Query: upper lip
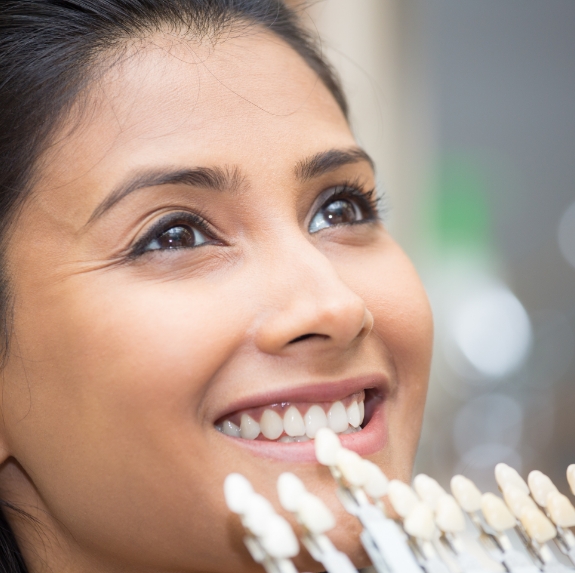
329 391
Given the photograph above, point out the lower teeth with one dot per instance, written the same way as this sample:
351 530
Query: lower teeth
298 439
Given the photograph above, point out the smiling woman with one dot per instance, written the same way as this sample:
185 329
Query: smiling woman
195 278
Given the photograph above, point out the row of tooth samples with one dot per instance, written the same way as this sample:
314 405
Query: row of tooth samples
295 427
270 536
535 508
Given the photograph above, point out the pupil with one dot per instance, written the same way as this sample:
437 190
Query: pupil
175 238
340 212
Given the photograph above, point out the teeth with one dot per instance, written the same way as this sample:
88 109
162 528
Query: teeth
466 493
271 425
294 439
402 497
561 509
327 445
237 491
314 420
448 515
337 418
537 525
257 512
279 540
541 486
517 501
351 466
314 514
293 422
290 490
505 476
294 427
571 477
419 523
230 429
496 512
249 428
428 490
376 482
353 415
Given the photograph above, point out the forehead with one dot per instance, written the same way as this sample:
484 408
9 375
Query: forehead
247 99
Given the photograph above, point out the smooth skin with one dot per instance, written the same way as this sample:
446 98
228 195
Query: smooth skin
121 358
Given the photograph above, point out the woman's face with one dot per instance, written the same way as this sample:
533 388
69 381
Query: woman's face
201 247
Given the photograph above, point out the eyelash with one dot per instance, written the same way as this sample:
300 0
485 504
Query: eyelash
369 203
369 200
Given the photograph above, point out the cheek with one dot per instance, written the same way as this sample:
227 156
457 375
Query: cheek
403 325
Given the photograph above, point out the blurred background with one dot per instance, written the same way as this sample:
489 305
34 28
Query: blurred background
468 108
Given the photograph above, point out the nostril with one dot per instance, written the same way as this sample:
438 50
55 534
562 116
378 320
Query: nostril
306 336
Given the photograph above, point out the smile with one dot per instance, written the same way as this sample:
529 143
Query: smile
282 425
296 422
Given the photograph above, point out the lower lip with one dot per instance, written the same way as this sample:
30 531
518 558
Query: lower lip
370 440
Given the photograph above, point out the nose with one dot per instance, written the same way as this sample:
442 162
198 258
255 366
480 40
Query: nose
310 302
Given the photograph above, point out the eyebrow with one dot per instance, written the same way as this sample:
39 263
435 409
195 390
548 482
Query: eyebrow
326 161
226 178
217 178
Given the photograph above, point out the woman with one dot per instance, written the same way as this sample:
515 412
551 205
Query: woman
191 251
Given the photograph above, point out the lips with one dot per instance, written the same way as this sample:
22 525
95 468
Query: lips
282 425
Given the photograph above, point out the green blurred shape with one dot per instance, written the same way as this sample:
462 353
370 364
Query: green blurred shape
462 217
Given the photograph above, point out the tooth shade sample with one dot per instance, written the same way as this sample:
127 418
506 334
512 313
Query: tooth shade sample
258 511
249 428
376 482
351 466
402 498
314 514
506 476
448 515
466 493
541 486
290 490
271 425
517 501
279 539
537 525
560 509
237 490
497 513
315 419
571 477
337 418
230 429
353 416
361 406
327 445
293 422
419 523
428 489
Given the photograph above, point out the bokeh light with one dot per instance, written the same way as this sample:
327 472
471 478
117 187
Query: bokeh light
566 234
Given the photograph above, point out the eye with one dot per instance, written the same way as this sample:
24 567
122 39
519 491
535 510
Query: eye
174 232
179 237
345 207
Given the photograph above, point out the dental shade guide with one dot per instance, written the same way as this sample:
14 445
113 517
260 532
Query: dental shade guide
381 537
492 519
269 537
533 527
429 535
557 508
315 519
418 524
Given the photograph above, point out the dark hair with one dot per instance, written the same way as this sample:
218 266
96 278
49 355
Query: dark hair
49 50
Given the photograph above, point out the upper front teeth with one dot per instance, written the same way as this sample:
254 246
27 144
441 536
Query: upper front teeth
295 427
